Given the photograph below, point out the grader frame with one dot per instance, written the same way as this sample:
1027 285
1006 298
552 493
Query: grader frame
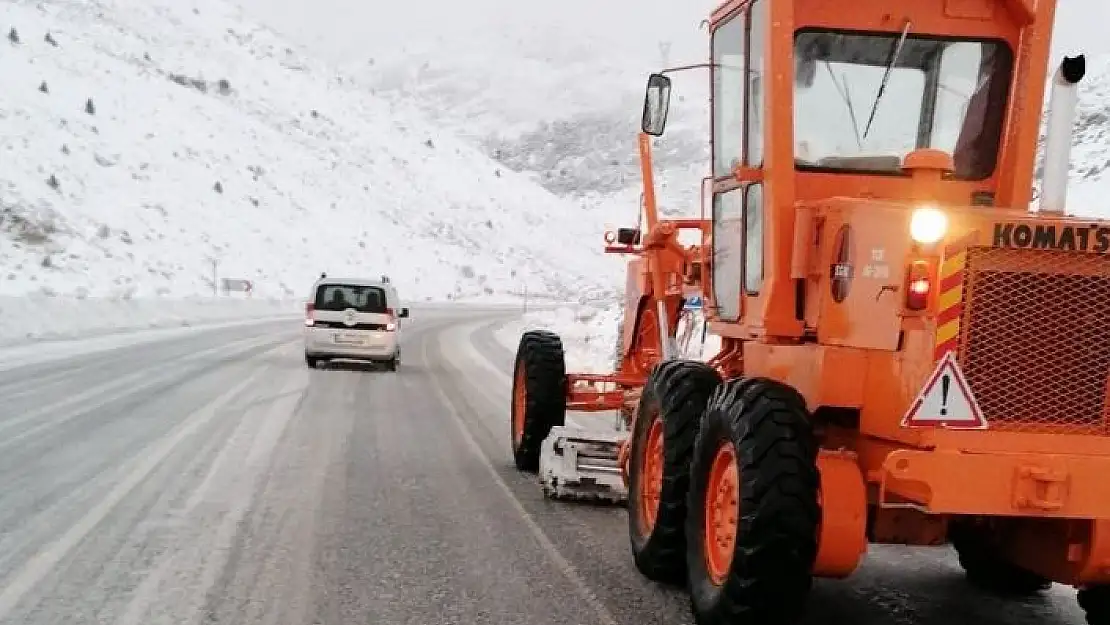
660 276
587 463
907 352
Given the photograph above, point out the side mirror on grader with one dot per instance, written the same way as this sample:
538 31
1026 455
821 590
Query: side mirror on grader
909 354
657 102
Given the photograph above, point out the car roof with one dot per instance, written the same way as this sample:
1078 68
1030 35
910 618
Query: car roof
353 282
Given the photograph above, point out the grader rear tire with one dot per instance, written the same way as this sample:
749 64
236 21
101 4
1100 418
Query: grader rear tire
753 521
663 433
1095 602
539 395
986 569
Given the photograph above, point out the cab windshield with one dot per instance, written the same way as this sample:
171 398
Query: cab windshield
945 94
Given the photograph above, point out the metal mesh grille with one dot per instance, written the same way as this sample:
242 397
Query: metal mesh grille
1036 338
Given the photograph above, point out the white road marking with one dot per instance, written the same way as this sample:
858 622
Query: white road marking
126 385
42 352
564 566
237 469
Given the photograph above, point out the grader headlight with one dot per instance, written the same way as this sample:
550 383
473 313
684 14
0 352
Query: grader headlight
928 225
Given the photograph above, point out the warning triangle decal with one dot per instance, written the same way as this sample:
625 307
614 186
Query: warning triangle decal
946 401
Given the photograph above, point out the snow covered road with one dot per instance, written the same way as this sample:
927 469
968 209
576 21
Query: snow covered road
213 478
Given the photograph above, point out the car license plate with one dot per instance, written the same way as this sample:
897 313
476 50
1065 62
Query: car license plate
348 338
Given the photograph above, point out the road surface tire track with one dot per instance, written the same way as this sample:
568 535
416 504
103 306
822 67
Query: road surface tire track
330 497
593 538
104 438
46 562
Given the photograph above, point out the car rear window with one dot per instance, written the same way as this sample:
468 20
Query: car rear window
367 299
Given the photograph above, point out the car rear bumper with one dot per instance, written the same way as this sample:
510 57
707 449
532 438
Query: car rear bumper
371 345
945 481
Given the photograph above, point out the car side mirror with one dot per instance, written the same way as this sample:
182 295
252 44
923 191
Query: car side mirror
657 100
404 313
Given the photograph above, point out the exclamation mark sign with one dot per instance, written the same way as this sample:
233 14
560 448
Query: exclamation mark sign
945 382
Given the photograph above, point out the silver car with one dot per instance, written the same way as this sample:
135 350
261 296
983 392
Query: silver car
353 319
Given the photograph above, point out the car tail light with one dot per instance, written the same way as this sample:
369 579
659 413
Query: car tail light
309 309
918 286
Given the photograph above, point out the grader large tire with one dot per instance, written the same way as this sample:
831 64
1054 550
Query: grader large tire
987 569
1095 602
539 395
753 521
666 423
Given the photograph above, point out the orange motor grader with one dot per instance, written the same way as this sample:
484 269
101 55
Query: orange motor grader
910 352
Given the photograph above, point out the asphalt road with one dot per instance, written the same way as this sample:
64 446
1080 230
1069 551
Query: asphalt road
213 478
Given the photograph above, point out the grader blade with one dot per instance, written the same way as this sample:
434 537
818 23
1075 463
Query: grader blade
579 464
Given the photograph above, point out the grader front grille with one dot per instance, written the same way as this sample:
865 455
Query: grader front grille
1035 342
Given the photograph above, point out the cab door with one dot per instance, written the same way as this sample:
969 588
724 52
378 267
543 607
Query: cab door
738 42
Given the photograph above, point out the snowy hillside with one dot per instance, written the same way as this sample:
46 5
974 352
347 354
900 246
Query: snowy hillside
1090 156
143 139
555 90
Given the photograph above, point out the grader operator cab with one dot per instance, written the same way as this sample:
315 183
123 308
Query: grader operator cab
910 354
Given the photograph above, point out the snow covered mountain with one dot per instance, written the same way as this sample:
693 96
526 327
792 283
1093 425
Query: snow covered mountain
1089 178
208 138
141 140
554 89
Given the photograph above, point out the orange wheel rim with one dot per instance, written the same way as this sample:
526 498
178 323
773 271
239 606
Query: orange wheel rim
520 402
722 513
651 475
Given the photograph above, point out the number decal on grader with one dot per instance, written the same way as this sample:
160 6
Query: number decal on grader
834 417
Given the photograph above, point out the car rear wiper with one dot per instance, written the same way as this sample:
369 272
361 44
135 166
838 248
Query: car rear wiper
886 76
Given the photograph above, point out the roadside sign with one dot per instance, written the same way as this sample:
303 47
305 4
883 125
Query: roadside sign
237 285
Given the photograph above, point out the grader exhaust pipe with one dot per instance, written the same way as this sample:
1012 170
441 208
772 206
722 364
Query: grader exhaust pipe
1064 100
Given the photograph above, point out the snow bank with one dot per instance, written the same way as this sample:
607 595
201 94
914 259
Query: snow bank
32 318
590 334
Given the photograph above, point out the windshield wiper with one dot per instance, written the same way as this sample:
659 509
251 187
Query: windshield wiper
886 76
845 92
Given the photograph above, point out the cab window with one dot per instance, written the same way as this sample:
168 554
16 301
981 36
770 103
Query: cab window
728 252
729 70
940 93
756 91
